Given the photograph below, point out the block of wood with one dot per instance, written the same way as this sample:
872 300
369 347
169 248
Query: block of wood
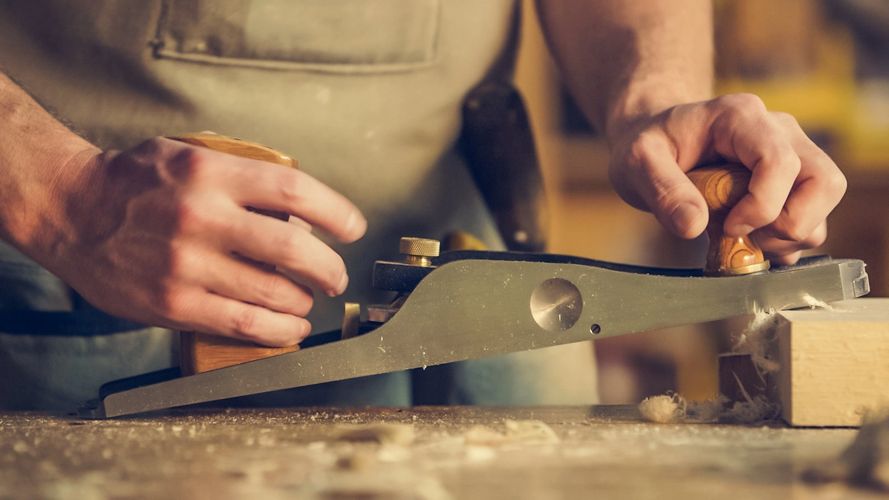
834 363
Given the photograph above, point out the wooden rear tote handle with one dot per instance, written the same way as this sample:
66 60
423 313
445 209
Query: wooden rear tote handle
201 352
723 186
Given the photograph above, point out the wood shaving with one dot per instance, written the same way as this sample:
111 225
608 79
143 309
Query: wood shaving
664 409
673 408
710 410
756 339
753 411
759 335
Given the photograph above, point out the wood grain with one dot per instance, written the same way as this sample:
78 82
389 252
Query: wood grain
834 363
723 187
237 147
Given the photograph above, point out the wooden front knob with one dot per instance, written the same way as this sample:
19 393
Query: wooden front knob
201 352
723 187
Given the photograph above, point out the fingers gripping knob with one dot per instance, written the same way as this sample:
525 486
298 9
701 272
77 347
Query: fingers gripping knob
201 352
419 251
723 187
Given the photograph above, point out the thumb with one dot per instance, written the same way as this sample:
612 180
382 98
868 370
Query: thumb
669 194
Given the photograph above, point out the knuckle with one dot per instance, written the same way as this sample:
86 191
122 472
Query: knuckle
291 247
642 148
792 231
150 146
268 289
170 302
743 102
837 184
765 211
290 186
244 323
770 213
778 155
189 163
817 239
179 261
786 119
192 216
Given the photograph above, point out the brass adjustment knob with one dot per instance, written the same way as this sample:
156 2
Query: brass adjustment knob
351 320
418 251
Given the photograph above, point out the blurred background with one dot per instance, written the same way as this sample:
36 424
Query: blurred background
824 61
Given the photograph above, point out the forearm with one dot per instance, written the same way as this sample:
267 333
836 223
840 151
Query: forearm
627 59
35 149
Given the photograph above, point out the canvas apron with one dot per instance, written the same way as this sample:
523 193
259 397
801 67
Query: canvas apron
365 93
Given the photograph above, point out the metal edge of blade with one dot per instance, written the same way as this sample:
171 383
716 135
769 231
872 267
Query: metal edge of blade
854 278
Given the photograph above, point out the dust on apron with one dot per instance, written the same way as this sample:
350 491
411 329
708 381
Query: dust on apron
365 93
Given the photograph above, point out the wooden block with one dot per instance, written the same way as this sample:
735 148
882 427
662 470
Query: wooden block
834 363
200 352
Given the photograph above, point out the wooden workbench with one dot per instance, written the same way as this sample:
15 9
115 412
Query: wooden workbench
603 452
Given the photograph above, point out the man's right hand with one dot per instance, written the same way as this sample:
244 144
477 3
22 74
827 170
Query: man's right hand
161 234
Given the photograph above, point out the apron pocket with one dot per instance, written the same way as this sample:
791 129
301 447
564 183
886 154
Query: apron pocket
351 36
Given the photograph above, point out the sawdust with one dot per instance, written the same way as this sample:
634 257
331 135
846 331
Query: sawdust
672 408
305 462
664 409
756 340
707 411
381 433
864 463
514 431
753 411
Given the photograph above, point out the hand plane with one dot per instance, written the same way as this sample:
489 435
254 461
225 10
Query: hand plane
465 304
